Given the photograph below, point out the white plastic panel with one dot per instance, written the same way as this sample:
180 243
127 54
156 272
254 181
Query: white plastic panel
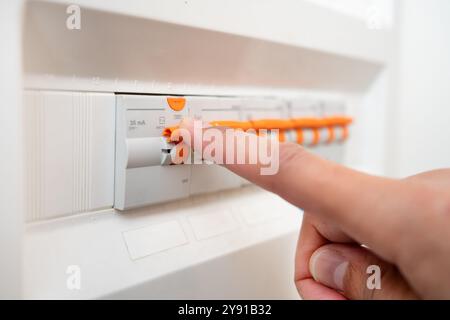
156 250
304 107
145 117
212 223
70 152
153 239
263 108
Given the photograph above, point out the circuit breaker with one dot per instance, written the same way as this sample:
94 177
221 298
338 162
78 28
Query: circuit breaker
209 177
142 176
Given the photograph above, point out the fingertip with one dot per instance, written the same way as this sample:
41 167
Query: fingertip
184 129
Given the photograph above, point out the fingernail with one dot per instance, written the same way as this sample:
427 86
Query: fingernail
329 268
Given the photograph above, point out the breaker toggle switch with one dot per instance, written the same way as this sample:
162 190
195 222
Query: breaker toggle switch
305 131
150 152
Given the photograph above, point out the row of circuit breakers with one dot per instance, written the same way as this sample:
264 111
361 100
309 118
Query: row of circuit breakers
144 171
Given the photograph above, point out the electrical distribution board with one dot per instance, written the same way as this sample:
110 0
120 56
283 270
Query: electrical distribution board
144 173
94 151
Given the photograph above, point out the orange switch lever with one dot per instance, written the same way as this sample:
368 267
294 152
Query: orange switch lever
168 131
339 121
271 124
282 125
309 123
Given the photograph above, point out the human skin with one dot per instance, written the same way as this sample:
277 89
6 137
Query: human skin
354 220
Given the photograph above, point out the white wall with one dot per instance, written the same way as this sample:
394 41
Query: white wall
377 13
417 132
420 118
10 150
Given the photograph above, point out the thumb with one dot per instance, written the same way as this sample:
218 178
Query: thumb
358 274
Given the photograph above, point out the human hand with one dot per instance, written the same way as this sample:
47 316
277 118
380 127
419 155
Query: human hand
353 220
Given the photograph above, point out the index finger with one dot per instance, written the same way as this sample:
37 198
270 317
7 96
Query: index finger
381 213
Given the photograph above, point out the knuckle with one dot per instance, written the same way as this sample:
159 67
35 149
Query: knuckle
291 153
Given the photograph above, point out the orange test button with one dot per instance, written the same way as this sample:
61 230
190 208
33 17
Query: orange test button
176 104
